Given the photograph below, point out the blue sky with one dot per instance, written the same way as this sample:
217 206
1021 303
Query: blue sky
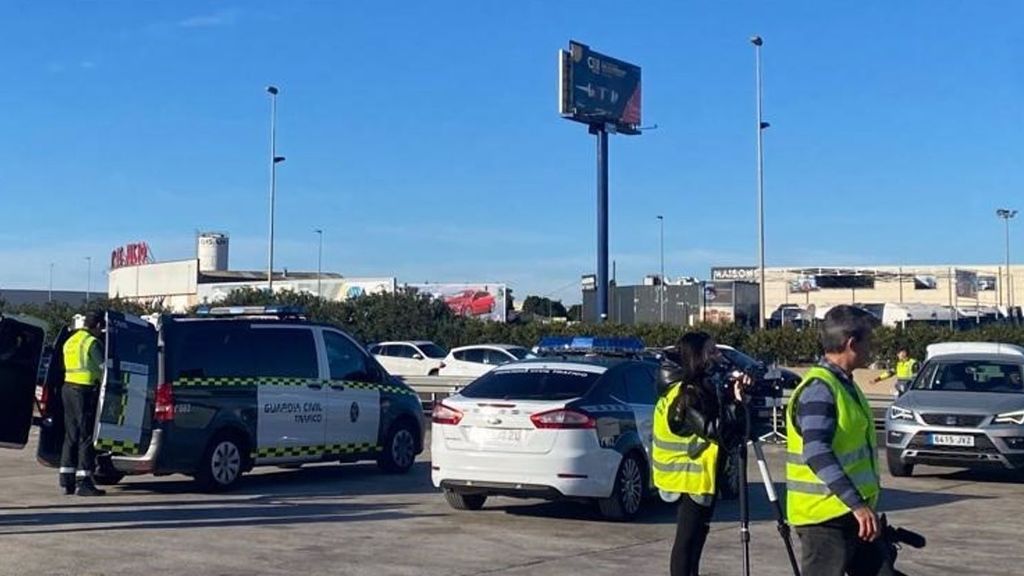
424 136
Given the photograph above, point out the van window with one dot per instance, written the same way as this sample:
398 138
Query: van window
239 351
346 360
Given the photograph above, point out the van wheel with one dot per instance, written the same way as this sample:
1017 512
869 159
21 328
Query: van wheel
399 450
897 467
222 463
106 474
628 494
460 501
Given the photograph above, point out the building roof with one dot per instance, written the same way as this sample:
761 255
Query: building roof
40 297
221 276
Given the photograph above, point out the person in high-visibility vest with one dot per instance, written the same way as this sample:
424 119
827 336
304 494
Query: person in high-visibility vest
906 368
694 427
83 373
832 478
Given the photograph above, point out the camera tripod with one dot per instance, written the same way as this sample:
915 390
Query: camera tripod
769 486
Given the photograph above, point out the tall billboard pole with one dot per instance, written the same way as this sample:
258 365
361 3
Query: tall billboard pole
603 93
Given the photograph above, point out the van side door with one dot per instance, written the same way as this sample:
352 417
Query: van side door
21 348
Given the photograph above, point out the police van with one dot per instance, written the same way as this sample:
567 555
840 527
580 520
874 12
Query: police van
215 395
575 423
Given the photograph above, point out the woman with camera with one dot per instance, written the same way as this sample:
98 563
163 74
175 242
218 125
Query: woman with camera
695 427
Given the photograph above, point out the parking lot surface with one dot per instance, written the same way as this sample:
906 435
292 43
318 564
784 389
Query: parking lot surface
351 519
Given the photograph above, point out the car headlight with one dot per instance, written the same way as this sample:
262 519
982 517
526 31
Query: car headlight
897 413
1010 418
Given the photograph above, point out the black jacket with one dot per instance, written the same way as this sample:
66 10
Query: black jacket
705 410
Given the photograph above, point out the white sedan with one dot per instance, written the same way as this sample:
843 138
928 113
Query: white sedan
480 359
410 358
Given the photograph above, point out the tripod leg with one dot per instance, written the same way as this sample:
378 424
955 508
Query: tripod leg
773 498
744 511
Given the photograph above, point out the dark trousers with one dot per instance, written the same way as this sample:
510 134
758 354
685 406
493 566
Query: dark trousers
692 526
834 549
78 456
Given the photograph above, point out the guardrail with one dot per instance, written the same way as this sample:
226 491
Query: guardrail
434 388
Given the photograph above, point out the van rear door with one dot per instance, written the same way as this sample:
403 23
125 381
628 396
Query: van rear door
21 347
124 417
51 404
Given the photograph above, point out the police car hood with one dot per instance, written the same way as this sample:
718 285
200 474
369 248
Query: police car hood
950 402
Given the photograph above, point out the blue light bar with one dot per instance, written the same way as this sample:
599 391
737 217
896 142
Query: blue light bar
590 345
249 311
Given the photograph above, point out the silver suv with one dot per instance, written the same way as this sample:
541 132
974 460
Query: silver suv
965 408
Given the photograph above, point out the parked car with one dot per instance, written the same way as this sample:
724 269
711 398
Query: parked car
412 358
216 395
574 425
965 408
480 359
471 303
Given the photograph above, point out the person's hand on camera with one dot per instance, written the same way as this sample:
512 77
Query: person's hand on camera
740 384
867 523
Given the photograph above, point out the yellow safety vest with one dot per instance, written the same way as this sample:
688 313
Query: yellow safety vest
682 464
77 366
808 499
905 369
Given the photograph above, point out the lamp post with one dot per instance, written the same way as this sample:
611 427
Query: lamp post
274 160
1007 214
319 261
757 41
661 284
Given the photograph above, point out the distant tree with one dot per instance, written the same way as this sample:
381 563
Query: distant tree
543 306
575 313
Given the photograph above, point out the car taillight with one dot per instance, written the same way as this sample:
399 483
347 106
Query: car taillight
42 397
446 415
563 419
164 410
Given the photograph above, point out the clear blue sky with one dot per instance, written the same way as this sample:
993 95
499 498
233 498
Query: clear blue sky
424 137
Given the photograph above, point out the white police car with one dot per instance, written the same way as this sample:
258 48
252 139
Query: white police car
573 423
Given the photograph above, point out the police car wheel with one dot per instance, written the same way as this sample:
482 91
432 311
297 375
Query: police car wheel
629 492
399 451
222 464
460 501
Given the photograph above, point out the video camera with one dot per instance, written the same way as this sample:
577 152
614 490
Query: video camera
724 373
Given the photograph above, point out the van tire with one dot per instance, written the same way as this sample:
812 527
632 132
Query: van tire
223 462
106 474
629 491
398 454
460 501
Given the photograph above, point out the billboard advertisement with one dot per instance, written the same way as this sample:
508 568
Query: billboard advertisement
483 301
803 284
337 289
736 273
987 283
966 284
925 282
598 90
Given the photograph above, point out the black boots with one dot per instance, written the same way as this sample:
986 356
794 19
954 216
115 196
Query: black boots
87 488
67 484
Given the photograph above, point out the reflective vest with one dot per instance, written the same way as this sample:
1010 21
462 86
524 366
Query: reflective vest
808 499
77 366
681 464
905 369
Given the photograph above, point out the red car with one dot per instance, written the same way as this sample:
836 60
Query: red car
471 303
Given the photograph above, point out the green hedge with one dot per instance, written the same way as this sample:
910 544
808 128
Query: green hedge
406 316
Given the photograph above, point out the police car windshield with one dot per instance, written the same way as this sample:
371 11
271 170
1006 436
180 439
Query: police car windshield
433 351
973 376
532 384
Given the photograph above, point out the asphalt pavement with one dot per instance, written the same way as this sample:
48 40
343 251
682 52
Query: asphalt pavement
354 520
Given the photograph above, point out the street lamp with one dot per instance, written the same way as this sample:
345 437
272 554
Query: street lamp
757 41
661 223
274 160
1007 214
319 261
88 279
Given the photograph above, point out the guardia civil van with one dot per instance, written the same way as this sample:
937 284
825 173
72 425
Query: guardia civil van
215 395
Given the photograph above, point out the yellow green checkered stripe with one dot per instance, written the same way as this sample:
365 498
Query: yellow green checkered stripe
126 447
323 449
281 381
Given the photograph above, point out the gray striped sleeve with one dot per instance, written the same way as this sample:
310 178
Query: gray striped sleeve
816 419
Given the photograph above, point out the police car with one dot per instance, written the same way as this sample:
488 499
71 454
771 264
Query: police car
573 423
215 395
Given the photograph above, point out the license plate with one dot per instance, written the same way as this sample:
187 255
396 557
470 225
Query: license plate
499 436
952 440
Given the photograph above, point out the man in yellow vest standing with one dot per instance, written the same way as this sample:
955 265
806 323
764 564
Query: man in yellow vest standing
83 373
832 478
906 367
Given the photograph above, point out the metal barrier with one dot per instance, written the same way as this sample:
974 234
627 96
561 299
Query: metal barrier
434 388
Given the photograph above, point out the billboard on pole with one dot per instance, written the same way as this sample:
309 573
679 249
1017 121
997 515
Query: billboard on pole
483 301
598 90
966 284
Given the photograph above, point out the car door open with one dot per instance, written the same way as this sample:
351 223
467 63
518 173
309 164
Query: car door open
21 348
124 416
